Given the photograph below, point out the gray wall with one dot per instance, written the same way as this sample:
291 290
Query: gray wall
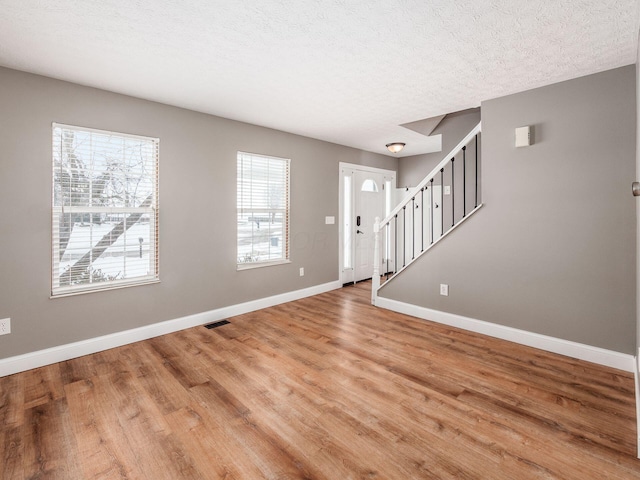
453 128
197 188
553 249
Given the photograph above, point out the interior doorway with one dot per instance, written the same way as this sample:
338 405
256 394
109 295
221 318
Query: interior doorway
365 193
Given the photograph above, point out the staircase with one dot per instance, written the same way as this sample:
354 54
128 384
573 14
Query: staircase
448 196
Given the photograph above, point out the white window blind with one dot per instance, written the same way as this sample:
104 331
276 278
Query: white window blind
263 210
105 210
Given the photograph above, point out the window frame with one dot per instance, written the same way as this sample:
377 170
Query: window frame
286 215
153 276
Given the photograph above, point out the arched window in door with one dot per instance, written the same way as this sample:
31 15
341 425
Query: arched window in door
369 185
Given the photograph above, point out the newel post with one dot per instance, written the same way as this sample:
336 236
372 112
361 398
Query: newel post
375 280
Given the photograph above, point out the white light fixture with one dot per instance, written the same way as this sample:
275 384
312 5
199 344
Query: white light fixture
395 147
523 136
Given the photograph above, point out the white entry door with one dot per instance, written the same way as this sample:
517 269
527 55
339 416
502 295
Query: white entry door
365 193
369 204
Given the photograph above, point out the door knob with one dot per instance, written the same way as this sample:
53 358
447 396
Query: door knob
635 189
358 231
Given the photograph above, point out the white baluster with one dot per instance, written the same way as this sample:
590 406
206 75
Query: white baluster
375 281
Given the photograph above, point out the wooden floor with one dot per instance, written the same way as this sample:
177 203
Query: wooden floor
327 388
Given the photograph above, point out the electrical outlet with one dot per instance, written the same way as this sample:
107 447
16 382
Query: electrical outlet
447 189
5 326
444 289
302 271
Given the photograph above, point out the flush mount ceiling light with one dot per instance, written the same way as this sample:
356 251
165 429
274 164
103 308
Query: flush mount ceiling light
395 147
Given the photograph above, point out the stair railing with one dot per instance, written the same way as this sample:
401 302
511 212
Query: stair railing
429 212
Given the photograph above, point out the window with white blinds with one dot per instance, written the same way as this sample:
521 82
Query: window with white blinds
105 210
263 210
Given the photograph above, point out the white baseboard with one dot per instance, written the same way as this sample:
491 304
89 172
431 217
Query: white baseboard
636 375
21 363
580 351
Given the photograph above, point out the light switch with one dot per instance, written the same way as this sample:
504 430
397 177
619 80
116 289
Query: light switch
329 220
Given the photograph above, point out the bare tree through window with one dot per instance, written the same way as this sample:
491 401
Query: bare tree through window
104 209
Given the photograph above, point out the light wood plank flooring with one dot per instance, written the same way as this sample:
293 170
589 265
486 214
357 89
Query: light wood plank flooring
322 388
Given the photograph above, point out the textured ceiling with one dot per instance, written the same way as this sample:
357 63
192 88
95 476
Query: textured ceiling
344 71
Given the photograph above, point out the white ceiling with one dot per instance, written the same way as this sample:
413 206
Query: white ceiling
345 71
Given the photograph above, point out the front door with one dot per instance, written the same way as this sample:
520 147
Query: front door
365 193
369 204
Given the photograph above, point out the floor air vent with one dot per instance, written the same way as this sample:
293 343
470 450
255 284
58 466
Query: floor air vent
216 324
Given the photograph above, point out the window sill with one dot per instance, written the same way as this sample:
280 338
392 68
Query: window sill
250 266
115 286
